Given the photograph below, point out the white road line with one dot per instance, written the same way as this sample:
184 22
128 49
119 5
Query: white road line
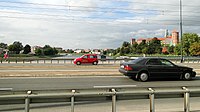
70 76
6 89
58 70
116 86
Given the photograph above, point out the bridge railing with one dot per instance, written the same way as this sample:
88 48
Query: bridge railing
107 61
113 93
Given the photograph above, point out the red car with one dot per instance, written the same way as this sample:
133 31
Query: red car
87 58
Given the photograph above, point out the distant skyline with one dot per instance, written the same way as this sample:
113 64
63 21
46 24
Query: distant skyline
91 24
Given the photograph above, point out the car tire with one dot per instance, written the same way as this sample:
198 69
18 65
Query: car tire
143 77
94 63
78 63
187 76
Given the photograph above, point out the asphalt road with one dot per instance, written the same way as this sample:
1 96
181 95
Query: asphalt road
101 75
87 82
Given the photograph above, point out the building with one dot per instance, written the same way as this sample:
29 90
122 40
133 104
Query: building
1 50
33 48
59 49
78 50
167 40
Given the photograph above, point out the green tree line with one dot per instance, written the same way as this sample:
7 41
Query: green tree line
17 48
190 46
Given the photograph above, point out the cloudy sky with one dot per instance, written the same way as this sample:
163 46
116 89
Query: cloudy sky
92 23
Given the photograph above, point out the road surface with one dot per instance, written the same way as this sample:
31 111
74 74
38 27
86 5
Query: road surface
87 82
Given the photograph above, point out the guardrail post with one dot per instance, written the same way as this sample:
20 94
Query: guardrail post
114 100
186 100
27 102
72 101
152 102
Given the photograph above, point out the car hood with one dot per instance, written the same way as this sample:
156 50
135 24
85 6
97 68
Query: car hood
184 67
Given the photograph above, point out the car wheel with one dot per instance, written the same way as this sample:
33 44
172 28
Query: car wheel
143 76
187 76
78 63
95 63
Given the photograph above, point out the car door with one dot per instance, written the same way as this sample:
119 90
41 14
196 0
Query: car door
155 68
170 70
85 59
91 59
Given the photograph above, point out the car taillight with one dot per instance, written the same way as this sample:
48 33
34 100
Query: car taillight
128 68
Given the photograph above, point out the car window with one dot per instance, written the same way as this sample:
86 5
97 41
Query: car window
85 57
166 62
91 56
136 61
154 62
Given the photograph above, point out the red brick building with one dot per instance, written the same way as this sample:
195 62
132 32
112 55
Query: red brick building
168 40
173 39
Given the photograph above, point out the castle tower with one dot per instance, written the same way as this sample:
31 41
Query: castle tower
175 37
133 41
166 33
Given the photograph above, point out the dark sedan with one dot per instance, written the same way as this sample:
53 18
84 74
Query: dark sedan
144 68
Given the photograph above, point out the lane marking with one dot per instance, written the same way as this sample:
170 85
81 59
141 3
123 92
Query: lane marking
116 86
90 70
6 89
65 76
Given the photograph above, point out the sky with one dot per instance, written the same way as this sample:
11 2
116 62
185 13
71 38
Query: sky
91 24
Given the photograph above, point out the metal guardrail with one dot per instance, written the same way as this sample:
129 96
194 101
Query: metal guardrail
113 92
109 61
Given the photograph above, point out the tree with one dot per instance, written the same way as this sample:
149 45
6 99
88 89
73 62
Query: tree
3 45
154 46
48 50
121 53
195 49
126 44
27 49
188 39
141 46
171 49
125 49
134 48
177 49
16 47
70 51
145 50
38 52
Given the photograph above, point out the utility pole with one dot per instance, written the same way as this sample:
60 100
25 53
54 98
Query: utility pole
181 30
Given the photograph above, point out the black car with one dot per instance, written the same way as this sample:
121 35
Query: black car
144 68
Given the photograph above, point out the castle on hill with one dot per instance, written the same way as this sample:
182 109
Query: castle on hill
170 40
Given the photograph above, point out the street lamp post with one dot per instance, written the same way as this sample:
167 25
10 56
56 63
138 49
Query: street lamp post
181 31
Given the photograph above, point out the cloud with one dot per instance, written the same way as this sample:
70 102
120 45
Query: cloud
92 23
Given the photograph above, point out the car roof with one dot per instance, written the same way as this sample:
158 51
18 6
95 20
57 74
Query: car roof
150 58
90 54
